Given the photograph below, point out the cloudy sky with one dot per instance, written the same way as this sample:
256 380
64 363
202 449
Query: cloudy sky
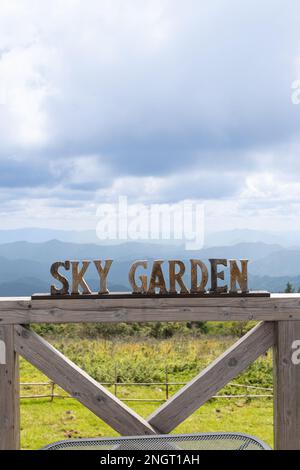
159 100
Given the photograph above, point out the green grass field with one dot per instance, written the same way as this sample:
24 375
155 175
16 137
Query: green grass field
43 421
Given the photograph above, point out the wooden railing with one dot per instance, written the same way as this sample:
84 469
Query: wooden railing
278 327
261 392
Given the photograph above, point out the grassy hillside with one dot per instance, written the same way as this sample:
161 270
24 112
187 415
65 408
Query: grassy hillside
140 361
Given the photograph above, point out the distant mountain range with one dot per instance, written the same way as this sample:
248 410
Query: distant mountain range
288 238
24 266
57 250
232 237
40 235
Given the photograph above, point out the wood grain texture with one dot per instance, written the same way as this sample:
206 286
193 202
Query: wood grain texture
157 280
286 387
78 277
215 275
9 393
144 294
54 270
79 384
142 288
195 288
238 275
137 309
213 378
175 277
103 273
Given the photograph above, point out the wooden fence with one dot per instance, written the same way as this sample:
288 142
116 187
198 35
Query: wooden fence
278 327
261 392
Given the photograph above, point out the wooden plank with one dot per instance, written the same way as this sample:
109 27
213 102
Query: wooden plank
287 386
79 384
130 295
9 391
136 309
227 366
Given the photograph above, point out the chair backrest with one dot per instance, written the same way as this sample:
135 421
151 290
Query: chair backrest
209 441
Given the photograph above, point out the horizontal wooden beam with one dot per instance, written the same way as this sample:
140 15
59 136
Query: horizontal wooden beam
168 295
213 378
23 310
79 384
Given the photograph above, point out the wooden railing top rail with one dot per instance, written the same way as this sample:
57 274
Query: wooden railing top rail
280 327
112 309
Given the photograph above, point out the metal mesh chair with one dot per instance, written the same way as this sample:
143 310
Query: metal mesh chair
210 441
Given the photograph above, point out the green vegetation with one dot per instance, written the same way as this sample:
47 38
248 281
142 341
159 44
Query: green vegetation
157 330
290 289
44 422
138 360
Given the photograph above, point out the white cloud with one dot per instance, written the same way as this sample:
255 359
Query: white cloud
156 99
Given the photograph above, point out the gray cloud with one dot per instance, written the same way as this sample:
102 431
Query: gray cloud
195 93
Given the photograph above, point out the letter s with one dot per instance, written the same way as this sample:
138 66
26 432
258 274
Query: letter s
63 280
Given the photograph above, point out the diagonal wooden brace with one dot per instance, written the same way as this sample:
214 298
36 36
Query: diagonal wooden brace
79 384
227 366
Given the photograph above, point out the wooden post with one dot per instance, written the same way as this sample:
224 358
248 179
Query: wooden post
52 384
116 382
9 391
287 385
167 384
